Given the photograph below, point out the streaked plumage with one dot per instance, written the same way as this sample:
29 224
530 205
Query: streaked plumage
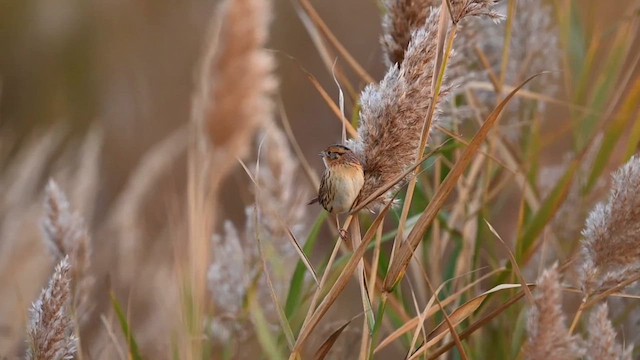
342 179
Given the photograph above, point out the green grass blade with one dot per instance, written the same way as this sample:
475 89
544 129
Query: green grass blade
526 244
134 351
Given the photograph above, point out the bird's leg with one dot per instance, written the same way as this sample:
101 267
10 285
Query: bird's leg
344 235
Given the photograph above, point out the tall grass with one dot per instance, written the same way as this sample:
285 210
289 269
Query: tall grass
466 241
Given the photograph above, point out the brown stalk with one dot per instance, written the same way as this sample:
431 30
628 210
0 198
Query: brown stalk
328 57
336 110
311 175
317 20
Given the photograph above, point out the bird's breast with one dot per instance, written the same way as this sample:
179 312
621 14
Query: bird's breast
347 182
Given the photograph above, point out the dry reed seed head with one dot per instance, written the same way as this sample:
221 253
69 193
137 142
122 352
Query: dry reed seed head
611 245
228 282
280 196
401 19
548 337
461 9
237 76
602 343
51 333
67 235
393 112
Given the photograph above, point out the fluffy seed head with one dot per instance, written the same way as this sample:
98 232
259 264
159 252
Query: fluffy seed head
602 338
51 333
549 338
611 246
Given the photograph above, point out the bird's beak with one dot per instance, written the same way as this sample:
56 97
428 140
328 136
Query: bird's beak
322 153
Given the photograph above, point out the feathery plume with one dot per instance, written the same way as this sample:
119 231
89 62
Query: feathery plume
611 247
549 338
66 235
401 19
461 9
393 112
602 338
231 103
236 263
228 281
236 78
51 333
281 199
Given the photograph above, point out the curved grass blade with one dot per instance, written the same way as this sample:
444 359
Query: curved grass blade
134 351
326 346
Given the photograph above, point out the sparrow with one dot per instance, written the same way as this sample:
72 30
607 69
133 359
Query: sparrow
342 179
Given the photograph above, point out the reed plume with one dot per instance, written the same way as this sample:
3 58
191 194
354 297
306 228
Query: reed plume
401 19
549 338
231 103
610 248
51 334
228 280
601 343
394 111
236 80
236 264
67 235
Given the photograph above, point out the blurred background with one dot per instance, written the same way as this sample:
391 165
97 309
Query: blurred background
126 69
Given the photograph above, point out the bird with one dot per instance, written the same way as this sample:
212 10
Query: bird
342 179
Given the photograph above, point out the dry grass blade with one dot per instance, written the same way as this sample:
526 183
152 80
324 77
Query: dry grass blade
326 54
477 325
290 234
340 102
282 318
429 311
459 315
356 238
317 20
340 283
326 346
513 261
405 251
336 110
112 337
455 319
313 178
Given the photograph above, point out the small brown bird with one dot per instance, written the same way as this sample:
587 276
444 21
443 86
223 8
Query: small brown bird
341 181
